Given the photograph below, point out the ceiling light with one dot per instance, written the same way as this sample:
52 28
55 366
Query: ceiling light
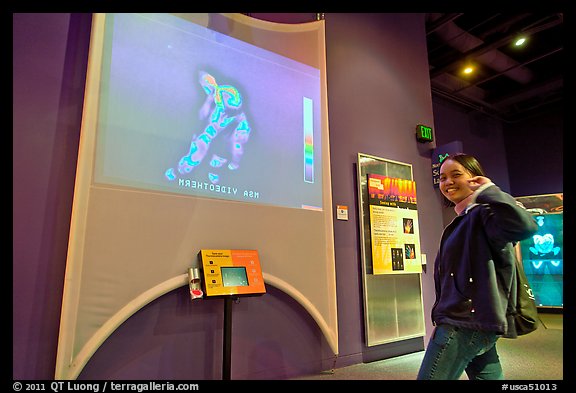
520 41
468 70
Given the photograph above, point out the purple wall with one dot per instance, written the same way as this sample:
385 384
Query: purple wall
174 338
378 90
49 62
534 149
480 135
524 158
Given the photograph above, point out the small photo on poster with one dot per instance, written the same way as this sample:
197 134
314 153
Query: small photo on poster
408 224
397 259
410 250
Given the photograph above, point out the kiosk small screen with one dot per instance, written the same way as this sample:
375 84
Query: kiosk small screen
234 276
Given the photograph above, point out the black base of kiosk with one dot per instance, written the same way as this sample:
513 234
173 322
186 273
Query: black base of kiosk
227 338
232 274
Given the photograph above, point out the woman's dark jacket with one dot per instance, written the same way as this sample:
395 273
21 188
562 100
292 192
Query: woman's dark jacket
474 272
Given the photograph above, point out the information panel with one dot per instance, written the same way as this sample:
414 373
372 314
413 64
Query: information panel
391 271
393 225
231 272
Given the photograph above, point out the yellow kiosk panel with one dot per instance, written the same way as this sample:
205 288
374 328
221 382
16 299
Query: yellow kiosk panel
232 272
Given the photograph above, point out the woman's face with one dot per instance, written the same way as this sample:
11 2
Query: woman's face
454 181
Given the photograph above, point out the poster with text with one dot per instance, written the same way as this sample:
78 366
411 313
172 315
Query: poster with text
394 232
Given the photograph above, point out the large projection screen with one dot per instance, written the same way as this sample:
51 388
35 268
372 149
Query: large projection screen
199 131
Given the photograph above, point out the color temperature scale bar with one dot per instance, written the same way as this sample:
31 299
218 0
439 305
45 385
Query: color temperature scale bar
308 118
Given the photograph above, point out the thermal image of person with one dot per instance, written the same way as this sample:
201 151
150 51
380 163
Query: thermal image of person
220 111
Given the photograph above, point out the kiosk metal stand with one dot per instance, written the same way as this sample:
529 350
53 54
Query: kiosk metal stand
231 274
227 338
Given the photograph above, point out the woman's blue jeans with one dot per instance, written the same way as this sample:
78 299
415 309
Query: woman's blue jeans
453 350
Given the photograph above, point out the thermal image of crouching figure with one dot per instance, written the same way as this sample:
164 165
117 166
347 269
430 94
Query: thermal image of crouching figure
221 110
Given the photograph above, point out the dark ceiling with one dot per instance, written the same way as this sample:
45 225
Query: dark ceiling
511 84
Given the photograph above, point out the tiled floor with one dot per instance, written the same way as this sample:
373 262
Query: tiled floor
537 356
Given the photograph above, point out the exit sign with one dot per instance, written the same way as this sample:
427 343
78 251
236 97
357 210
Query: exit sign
424 133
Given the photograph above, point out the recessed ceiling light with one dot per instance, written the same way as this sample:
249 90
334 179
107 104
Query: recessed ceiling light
520 41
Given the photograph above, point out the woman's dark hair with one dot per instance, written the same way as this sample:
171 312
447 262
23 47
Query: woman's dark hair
470 163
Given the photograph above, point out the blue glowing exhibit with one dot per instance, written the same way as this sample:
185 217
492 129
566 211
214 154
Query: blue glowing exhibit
542 257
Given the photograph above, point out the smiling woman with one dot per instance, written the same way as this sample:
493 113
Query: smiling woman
460 176
474 273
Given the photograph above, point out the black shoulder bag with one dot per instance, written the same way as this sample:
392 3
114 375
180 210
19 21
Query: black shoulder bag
526 317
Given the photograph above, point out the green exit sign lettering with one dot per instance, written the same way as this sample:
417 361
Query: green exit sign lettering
424 133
